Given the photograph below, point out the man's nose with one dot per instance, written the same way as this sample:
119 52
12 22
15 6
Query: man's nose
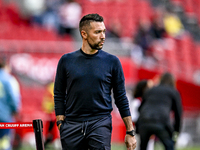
103 35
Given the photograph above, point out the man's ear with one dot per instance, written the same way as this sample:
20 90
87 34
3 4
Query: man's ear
84 34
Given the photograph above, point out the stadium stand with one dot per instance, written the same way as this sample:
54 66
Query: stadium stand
17 35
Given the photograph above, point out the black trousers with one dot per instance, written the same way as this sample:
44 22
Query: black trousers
87 135
146 130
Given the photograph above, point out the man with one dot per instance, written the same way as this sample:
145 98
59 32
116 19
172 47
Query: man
82 92
158 103
9 102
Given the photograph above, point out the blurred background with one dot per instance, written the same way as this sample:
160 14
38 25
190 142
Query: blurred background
149 37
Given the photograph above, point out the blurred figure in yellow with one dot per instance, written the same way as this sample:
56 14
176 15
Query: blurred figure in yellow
173 24
48 103
50 131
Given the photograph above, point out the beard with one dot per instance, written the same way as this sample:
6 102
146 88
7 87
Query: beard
96 46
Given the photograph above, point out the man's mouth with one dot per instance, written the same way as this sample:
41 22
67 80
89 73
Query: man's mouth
102 42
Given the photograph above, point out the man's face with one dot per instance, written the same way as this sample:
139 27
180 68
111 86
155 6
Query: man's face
96 35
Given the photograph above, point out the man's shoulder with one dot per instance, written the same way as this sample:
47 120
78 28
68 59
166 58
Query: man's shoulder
71 54
109 55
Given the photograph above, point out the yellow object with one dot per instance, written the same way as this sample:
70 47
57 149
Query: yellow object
173 25
5 142
48 101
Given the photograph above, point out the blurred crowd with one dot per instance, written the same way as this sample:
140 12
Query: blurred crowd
61 16
153 32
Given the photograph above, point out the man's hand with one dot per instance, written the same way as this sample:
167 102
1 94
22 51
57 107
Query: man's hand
58 118
130 142
59 126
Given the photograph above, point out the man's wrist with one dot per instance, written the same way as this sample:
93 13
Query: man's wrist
60 119
59 122
132 132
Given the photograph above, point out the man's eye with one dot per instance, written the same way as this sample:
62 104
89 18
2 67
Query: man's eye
98 32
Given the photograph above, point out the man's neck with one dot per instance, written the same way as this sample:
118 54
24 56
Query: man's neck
89 51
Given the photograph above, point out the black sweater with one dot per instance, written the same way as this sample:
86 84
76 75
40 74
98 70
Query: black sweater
83 86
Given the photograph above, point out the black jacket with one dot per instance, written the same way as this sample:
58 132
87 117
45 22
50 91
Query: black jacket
157 106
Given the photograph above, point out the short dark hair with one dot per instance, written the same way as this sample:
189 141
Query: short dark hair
167 79
140 88
89 18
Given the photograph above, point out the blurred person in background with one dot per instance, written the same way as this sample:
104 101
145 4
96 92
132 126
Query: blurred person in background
34 10
159 35
158 104
141 52
82 92
143 37
69 14
9 102
157 28
173 24
42 13
138 92
50 132
50 19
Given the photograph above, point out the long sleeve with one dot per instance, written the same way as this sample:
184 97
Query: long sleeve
119 91
177 107
60 89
